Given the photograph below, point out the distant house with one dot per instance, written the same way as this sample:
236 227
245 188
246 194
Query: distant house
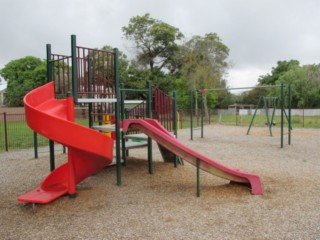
3 89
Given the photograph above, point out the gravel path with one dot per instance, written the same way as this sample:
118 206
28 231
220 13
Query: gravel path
164 205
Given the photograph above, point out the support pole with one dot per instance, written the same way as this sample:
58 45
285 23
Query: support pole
254 115
175 127
117 113
282 111
74 70
198 178
123 142
35 144
49 79
51 149
266 107
49 63
149 115
71 159
91 80
5 131
289 113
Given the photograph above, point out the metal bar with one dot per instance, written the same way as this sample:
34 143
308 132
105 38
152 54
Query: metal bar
273 113
68 76
175 128
124 153
239 88
282 110
5 130
35 144
59 58
49 79
117 113
134 90
254 114
266 107
51 149
149 115
191 114
93 49
198 177
49 66
90 80
289 110
74 68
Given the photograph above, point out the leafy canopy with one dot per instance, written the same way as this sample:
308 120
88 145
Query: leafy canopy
22 76
155 40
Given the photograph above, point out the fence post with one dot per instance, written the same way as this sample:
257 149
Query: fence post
5 130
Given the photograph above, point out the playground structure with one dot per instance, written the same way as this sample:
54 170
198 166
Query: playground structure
95 82
280 100
267 101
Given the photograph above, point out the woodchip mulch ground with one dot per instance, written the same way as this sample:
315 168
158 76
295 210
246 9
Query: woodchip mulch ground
164 205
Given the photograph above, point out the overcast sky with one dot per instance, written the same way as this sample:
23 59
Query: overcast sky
258 32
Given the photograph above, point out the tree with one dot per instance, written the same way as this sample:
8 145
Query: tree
22 76
276 72
305 82
155 41
204 63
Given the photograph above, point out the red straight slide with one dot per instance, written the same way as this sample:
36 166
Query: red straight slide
156 131
88 150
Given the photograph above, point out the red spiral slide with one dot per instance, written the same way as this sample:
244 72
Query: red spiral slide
88 150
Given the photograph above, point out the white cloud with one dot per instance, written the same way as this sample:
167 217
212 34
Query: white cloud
258 33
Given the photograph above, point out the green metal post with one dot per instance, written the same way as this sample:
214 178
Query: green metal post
91 80
149 114
175 118
282 111
51 149
266 108
5 131
191 114
198 178
49 79
175 126
117 113
35 144
289 113
49 63
124 153
254 115
122 93
74 70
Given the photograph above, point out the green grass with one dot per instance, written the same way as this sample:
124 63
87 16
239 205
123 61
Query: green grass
259 121
20 136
